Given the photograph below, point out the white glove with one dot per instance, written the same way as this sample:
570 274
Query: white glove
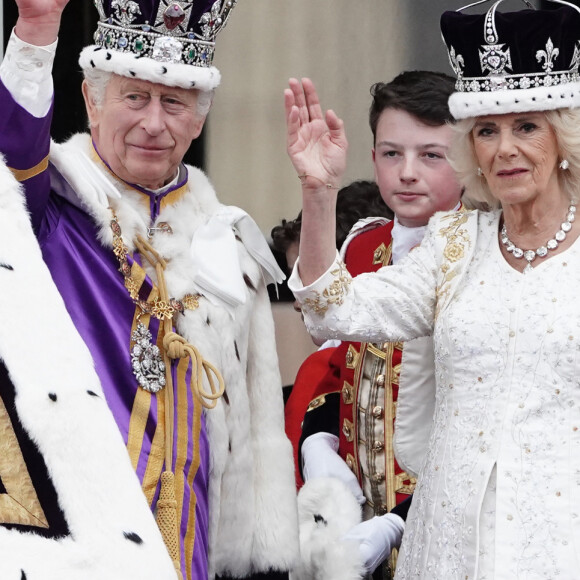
320 458
377 537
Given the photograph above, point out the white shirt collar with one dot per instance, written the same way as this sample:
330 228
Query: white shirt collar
405 239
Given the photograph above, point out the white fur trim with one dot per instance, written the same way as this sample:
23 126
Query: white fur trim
252 495
171 74
74 431
327 510
465 105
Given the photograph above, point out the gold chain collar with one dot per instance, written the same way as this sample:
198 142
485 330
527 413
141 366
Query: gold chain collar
160 309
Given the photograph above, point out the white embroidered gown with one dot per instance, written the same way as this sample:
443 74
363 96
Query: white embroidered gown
499 492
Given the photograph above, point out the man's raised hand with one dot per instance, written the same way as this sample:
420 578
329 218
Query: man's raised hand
39 20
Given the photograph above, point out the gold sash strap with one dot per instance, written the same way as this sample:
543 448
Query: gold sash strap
175 346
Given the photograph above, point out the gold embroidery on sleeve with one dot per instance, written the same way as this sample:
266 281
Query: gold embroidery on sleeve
334 294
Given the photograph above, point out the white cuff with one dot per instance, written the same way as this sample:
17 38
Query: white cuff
315 291
26 71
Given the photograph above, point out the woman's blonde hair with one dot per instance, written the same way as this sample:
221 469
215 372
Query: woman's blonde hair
566 125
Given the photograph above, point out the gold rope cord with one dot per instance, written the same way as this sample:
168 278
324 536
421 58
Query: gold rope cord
176 347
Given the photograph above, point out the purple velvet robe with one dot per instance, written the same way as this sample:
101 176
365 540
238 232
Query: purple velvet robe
88 278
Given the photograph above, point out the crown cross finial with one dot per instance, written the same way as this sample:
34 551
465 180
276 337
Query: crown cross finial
548 55
126 11
494 59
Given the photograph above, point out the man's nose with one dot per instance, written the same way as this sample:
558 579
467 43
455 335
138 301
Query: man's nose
154 118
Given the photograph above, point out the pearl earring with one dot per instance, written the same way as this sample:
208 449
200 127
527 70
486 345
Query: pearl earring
564 164
479 172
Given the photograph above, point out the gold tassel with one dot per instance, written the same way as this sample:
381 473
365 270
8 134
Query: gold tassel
167 519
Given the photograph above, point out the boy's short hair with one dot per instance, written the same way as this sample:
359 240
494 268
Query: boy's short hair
423 94
359 199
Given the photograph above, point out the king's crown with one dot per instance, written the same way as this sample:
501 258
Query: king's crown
166 31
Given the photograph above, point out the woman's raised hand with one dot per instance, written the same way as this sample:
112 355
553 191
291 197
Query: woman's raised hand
316 142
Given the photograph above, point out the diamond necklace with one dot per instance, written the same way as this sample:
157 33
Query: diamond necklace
542 251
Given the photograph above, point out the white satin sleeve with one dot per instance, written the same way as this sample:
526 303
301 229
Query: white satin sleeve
26 71
396 303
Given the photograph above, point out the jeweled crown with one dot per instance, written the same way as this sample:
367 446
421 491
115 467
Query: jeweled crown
514 61
167 33
175 32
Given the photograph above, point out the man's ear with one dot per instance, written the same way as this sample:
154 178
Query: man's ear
92 111
199 123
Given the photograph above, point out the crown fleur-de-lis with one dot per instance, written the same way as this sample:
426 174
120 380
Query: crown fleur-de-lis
125 10
457 62
548 55
211 21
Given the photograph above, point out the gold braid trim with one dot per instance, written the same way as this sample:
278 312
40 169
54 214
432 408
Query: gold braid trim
174 347
24 174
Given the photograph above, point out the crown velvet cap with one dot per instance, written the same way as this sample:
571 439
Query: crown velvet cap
513 62
161 41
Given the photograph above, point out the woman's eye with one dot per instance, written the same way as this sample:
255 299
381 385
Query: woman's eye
528 127
430 155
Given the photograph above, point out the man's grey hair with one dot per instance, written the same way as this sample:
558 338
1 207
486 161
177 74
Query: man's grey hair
97 81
